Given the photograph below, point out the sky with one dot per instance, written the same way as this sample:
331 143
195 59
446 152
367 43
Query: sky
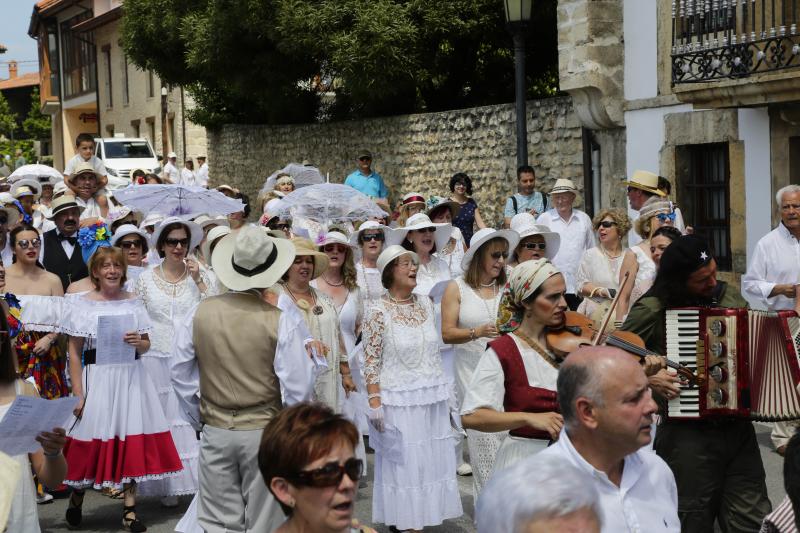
14 36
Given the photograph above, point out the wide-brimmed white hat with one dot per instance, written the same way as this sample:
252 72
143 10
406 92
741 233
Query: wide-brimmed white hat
26 187
334 237
205 220
61 203
250 259
369 224
417 222
563 185
128 229
151 220
646 181
481 237
525 225
195 231
390 254
213 234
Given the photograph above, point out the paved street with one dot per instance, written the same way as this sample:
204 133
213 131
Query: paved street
102 514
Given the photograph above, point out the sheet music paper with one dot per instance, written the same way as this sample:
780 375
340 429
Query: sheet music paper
111 348
29 416
388 442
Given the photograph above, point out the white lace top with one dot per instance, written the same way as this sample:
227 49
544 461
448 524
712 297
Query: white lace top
598 269
401 352
165 303
369 281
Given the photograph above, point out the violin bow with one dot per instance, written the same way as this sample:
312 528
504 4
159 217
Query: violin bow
606 319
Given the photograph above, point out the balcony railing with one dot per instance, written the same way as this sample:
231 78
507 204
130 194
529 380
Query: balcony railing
733 39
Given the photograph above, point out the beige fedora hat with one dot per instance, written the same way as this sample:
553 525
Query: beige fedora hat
307 247
646 181
250 259
564 185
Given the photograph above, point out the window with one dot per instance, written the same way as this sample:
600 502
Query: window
703 181
125 92
78 53
150 84
127 150
109 89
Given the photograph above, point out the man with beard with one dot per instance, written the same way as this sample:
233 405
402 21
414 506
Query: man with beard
61 251
716 462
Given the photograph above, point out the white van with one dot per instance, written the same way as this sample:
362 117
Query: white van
123 155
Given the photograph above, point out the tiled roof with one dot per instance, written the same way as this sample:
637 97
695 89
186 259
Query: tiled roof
25 80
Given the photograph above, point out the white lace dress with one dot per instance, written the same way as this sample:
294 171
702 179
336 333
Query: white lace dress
599 269
474 311
167 304
324 328
402 356
645 276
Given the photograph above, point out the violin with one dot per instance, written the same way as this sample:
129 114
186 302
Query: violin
580 330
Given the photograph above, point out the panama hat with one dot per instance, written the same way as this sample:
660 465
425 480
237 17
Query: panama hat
172 155
205 220
195 231
224 187
305 246
151 220
420 221
334 237
128 229
645 181
390 254
250 259
440 201
412 198
214 234
525 225
63 203
118 213
82 168
26 187
563 185
369 224
483 236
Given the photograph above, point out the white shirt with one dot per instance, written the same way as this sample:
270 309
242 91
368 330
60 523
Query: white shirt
646 500
577 236
96 162
65 244
91 208
776 259
187 177
202 175
8 254
295 371
171 172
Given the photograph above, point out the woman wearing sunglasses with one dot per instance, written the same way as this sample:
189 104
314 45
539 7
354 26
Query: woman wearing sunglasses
655 213
133 243
369 238
40 293
168 292
469 312
424 238
339 283
536 241
603 267
307 460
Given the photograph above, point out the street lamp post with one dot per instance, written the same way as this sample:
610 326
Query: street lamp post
164 135
518 14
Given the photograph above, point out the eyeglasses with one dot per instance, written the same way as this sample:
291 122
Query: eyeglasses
498 255
175 242
663 217
372 237
427 230
130 244
331 474
607 224
406 264
25 243
534 245
334 248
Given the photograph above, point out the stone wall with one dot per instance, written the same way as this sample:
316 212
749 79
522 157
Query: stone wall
413 152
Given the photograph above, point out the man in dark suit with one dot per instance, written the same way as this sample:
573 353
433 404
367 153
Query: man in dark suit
61 252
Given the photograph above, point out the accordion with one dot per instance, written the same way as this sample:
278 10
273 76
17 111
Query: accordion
746 362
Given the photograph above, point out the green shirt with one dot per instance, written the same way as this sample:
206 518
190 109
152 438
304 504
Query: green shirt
647 318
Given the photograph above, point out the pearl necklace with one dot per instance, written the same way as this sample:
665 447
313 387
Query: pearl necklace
492 284
332 284
608 255
397 302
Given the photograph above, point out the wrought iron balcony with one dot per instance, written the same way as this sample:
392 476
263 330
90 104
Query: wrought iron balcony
733 39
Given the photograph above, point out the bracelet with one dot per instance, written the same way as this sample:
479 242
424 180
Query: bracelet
51 454
472 334
373 395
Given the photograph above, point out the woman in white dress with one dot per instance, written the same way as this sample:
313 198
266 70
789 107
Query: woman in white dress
119 436
168 292
442 211
655 213
322 320
424 238
338 282
409 393
469 312
536 241
369 239
513 387
603 267
133 242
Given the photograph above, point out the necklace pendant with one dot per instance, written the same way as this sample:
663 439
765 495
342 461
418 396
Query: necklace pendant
317 310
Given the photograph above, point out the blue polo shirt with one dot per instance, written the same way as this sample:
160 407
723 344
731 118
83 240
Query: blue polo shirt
371 185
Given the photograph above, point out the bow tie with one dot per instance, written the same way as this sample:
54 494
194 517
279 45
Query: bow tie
71 240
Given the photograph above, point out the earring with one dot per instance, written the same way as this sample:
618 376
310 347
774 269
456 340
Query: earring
291 504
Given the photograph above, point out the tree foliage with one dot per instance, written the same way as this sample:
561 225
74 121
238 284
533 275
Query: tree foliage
36 125
273 61
8 119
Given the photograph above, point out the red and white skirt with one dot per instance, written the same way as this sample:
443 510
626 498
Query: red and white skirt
123 435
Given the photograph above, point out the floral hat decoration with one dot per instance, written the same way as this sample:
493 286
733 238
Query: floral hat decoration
93 237
525 279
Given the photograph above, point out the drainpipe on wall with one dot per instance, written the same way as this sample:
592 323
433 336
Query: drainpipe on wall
183 125
591 172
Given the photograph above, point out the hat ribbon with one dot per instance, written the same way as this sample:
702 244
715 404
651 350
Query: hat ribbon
249 272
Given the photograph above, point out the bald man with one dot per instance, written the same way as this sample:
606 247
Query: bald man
608 414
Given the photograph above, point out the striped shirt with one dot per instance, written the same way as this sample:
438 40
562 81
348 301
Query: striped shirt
781 520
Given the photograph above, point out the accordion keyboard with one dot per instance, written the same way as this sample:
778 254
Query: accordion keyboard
683 330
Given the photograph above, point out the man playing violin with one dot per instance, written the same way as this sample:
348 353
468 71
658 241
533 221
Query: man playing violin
716 462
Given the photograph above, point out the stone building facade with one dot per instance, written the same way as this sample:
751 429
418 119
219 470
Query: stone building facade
417 152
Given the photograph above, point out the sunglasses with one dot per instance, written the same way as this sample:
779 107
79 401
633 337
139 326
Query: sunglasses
663 217
607 224
365 159
498 255
331 474
334 248
3 220
175 242
534 245
427 230
373 237
25 243
130 244
283 227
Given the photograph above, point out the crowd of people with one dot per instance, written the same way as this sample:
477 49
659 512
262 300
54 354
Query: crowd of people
266 359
